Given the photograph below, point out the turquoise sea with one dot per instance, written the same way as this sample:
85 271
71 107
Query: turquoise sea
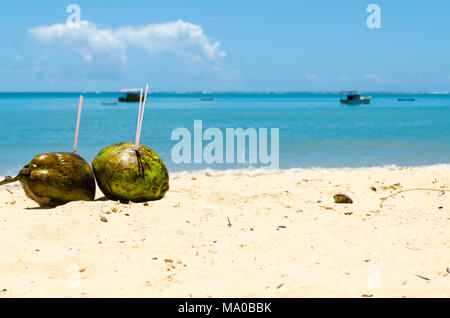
314 129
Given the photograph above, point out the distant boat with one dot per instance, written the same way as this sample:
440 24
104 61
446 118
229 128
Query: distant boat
353 98
406 99
131 97
109 103
206 98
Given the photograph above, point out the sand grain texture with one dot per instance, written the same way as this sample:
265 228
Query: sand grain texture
274 235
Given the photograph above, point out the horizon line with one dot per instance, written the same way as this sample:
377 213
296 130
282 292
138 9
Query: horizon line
233 92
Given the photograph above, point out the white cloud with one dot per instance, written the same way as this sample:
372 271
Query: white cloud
17 56
372 77
312 77
92 42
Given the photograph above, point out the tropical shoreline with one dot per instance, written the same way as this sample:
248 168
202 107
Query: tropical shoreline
255 171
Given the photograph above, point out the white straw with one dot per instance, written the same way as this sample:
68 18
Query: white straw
78 124
142 115
136 143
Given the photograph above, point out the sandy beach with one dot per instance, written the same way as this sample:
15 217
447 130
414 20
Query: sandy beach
238 235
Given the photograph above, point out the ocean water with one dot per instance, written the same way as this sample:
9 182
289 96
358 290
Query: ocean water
314 129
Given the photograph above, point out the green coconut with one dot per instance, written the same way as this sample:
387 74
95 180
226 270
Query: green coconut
56 178
126 174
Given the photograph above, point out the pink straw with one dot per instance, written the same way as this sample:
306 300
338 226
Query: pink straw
136 143
142 114
78 124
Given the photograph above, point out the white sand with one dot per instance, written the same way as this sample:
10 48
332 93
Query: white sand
286 238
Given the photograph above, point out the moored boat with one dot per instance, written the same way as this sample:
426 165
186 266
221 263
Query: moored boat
353 98
130 97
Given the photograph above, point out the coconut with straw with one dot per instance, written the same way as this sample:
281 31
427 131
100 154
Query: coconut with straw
129 171
56 178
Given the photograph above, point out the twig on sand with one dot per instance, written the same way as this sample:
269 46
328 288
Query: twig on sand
9 191
415 189
423 277
229 223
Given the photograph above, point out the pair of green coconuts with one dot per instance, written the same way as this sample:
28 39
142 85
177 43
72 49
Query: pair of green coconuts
122 173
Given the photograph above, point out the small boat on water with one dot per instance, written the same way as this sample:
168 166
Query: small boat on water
130 97
109 103
206 98
406 99
353 98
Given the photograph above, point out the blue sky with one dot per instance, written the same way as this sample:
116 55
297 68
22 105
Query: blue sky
225 45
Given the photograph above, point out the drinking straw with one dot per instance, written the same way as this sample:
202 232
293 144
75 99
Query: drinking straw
136 143
142 115
78 124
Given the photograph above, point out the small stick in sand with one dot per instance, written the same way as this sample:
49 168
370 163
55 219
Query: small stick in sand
423 277
141 116
136 143
415 189
78 124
